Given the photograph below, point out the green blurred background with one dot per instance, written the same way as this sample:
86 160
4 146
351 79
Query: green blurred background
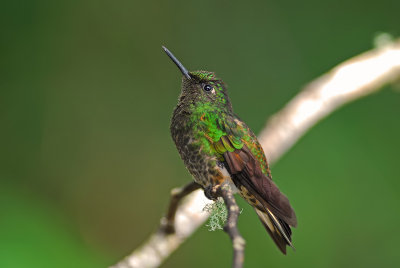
87 162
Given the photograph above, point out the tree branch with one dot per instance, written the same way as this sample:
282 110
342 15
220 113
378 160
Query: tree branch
350 80
168 223
230 227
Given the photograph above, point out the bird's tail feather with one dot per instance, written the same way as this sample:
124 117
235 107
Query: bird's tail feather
278 229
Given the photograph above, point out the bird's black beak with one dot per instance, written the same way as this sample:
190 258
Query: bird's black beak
177 62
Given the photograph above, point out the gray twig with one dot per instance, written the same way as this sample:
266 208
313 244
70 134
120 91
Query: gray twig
168 223
230 227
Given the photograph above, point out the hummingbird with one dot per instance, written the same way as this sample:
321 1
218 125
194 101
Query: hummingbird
217 147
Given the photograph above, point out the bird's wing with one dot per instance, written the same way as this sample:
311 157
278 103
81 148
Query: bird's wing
246 163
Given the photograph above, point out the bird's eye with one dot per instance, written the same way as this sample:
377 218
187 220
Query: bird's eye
207 87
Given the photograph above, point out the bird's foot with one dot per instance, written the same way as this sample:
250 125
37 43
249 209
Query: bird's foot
211 192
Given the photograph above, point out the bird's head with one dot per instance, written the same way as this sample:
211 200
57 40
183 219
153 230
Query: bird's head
201 86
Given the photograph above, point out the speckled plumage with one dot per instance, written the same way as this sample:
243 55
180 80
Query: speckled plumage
195 127
216 146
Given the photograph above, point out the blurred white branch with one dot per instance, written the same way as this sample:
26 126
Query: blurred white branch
159 246
350 80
